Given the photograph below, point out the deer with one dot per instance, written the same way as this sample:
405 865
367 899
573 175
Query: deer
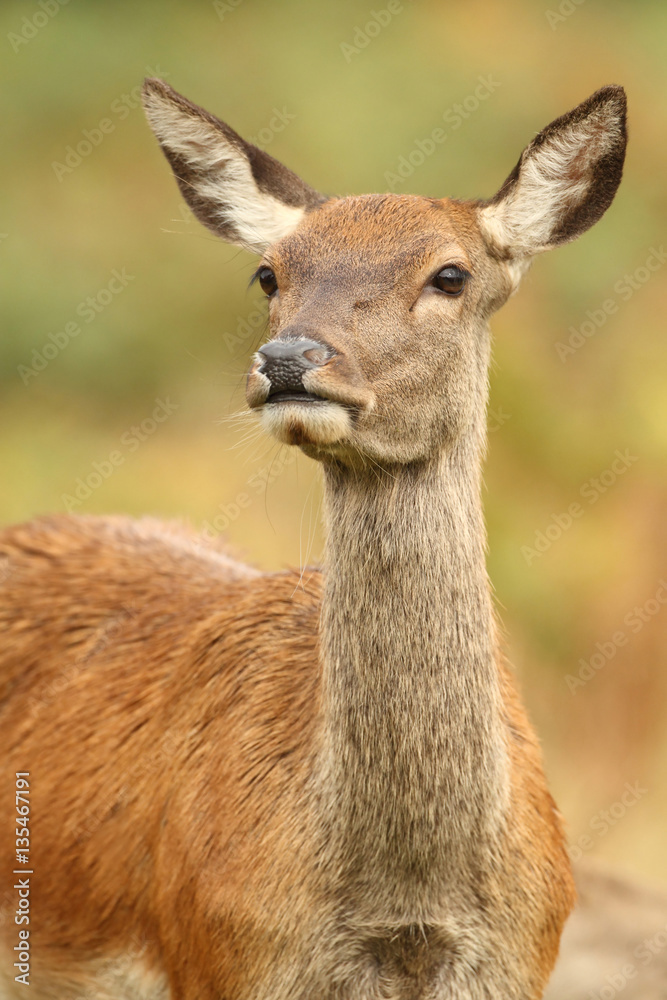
276 785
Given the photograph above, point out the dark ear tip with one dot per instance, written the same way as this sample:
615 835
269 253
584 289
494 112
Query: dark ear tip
151 84
154 87
612 94
611 90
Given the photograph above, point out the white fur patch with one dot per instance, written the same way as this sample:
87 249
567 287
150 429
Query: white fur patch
124 976
555 178
257 218
322 423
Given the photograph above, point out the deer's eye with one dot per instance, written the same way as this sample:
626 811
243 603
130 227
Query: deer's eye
267 280
450 280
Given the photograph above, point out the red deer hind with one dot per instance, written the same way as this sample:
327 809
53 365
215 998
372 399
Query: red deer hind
244 788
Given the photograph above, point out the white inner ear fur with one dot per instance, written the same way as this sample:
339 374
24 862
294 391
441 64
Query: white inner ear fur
257 218
554 178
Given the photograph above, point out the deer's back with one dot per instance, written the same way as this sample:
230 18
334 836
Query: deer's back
158 692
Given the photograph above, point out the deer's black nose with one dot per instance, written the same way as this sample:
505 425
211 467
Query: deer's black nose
285 361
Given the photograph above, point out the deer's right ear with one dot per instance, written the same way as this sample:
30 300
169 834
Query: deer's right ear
565 180
240 192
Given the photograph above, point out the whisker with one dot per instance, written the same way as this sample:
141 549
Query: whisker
302 561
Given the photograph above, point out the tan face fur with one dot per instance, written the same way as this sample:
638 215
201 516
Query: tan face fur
408 360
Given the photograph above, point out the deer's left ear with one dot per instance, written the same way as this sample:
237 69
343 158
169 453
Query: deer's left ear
236 189
565 180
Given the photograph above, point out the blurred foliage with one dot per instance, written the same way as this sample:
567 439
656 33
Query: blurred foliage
182 326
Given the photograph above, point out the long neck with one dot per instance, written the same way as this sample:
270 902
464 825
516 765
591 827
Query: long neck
416 755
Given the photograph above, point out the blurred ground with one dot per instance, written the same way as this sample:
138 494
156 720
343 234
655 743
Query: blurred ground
127 327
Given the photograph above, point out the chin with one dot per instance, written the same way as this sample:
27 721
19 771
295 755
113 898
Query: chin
311 424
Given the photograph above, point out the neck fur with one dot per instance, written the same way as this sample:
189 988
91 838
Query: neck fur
416 763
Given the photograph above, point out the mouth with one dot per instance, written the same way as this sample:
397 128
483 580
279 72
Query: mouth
312 413
302 418
295 396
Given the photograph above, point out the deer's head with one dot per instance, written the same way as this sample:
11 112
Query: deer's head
378 304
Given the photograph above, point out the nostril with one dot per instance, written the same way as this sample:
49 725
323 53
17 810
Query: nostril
317 355
308 353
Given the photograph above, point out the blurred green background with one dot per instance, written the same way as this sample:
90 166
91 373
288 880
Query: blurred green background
342 106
